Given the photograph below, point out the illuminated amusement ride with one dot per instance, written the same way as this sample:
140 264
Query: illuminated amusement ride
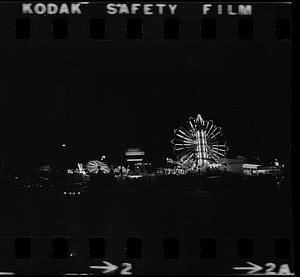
198 145
95 166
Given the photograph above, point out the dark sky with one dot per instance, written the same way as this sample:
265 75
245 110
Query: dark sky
100 98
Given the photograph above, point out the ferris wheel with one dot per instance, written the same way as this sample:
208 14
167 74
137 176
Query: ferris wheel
199 143
96 166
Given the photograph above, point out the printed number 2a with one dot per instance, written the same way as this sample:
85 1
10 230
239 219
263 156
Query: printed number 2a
283 270
126 269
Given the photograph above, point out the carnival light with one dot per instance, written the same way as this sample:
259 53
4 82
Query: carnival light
199 143
96 166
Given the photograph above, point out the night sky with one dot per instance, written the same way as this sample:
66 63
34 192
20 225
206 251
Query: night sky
99 98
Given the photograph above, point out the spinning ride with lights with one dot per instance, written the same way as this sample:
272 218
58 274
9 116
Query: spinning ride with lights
199 144
95 166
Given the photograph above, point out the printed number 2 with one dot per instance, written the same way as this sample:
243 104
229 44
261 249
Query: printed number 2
126 269
271 268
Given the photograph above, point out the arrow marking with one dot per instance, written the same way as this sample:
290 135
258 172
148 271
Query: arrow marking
254 268
109 267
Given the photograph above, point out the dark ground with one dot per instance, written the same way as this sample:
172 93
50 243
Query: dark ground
171 204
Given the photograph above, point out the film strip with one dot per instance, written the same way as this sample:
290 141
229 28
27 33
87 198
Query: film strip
145 138
92 256
134 28
109 21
